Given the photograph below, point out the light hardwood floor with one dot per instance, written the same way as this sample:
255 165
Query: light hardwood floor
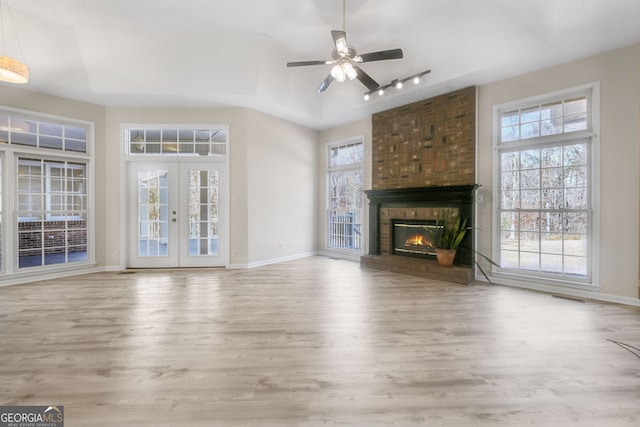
314 342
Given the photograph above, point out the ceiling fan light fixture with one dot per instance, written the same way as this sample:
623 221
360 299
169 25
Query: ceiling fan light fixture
338 73
349 70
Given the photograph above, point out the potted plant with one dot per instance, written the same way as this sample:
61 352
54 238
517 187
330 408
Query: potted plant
446 237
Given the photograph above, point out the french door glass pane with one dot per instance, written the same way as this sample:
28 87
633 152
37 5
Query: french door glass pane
153 213
203 212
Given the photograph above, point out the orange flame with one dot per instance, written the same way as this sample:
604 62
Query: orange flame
417 240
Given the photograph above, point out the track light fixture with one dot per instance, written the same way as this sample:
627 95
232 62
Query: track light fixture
396 83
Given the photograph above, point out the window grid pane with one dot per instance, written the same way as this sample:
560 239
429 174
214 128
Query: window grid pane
349 154
176 142
34 133
565 116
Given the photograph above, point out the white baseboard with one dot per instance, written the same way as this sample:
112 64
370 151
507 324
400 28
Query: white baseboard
564 291
277 260
348 255
19 279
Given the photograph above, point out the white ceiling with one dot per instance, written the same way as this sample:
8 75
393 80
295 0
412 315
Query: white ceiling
210 53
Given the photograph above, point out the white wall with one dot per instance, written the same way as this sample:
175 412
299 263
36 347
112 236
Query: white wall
619 75
282 185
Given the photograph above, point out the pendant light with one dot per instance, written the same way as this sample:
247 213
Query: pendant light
11 70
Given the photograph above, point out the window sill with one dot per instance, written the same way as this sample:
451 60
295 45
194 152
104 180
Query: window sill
515 279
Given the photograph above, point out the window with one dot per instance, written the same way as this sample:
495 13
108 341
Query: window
545 156
65 189
22 130
45 176
345 177
176 142
52 212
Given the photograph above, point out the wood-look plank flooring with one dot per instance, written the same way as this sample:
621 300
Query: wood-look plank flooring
314 342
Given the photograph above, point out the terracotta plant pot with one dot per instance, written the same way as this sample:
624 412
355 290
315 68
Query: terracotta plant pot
445 257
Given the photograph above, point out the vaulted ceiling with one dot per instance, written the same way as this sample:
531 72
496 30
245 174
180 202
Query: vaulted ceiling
212 53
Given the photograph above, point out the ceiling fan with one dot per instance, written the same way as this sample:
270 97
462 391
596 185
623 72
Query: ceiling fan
345 60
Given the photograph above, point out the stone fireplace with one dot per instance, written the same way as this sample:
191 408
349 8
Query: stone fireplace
423 161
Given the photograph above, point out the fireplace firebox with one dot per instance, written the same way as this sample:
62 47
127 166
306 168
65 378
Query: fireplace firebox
413 238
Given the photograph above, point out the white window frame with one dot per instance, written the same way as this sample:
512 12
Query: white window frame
343 168
591 134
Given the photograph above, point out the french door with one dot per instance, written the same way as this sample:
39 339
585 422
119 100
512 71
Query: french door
178 214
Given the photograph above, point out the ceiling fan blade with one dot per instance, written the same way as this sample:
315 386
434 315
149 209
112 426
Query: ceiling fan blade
303 63
340 40
366 79
382 55
325 83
